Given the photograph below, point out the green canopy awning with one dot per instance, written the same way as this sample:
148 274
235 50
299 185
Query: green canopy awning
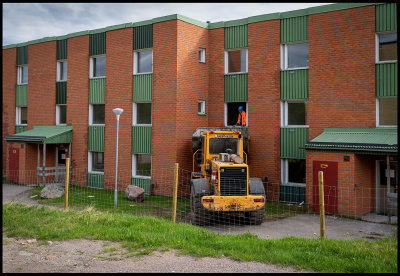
356 139
44 135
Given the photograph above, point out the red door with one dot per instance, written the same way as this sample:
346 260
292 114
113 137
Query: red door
13 160
330 170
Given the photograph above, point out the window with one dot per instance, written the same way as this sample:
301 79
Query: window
143 62
98 67
294 113
232 113
96 114
201 107
236 61
96 161
141 114
202 55
293 171
22 116
294 56
22 74
386 111
62 71
386 47
141 165
61 114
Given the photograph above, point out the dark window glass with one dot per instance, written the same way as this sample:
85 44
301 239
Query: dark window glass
98 161
297 170
24 115
98 113
297 55
388 47
143 166
61 157
237 61
143 113
99 66
145 62
63 71
220 145
63 114
388 111
24 74
297 114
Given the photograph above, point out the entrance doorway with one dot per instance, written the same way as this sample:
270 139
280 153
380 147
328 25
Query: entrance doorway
60 165
13 165
330 170
383 205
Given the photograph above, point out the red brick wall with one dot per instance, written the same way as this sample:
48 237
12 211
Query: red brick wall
9 92
164 104
119 70
342 69
78 102
264 100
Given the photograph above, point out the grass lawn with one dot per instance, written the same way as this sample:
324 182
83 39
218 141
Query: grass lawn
142 235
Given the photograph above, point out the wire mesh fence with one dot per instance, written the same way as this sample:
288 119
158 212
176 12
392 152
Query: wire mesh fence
153 196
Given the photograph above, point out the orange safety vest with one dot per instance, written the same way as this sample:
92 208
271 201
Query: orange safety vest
242 118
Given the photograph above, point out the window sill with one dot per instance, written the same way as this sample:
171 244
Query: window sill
147 125
61 80
141 177
202 114
386 126
295 126
97 125
96 78
145 73
292 184
386 61
22 83
61 124
95 172
236 73
293 69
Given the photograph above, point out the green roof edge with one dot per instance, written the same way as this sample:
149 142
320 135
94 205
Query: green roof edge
222 24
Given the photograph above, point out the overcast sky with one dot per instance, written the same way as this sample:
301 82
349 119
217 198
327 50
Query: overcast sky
28 21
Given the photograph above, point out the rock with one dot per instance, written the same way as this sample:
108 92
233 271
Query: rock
134 193
31 241
52 191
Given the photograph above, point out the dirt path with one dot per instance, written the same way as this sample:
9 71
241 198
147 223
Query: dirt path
30 255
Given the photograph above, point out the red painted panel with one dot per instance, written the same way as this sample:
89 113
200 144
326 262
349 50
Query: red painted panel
13 172
330 170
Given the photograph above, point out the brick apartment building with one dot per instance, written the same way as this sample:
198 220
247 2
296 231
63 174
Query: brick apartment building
319 86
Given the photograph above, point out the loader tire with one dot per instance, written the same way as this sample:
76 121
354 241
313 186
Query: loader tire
256 217
199 216
256 188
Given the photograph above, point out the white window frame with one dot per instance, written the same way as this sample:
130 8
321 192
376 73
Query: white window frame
134 114
227 61
18 116
226 115
59 69
377 49
91 69
19 74
136 61
91 116
284 56
377 115
90 164
203 107
285 174
134 166
58 115
202 53
285 115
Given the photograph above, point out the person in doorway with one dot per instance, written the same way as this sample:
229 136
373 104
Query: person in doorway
242 117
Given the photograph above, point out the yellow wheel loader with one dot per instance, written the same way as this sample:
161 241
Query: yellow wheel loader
220 182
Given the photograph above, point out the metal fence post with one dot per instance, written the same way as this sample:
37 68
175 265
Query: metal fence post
175 196
66 183
321 203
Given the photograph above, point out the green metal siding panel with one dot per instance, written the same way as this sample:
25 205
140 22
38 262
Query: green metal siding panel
97 90
236 88
294 29
142 87
22 95
292 194
294 84
386 80
141 139
97 44
19 129
62 50
291 139
95 180
61 92
143 37
143 183
236 37
22 55
386 17
96 138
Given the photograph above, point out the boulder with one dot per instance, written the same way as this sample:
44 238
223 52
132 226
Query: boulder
134 193
52 191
